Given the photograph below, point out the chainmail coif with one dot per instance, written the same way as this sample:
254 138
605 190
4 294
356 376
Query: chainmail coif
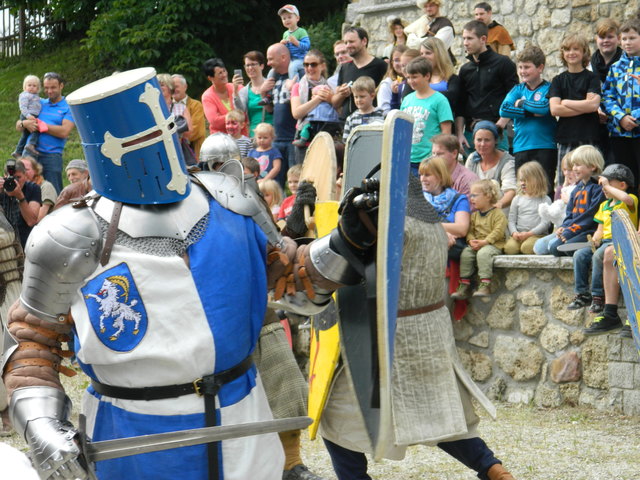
417 205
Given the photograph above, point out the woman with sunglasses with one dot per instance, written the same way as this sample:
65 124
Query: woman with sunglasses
311 102
248 98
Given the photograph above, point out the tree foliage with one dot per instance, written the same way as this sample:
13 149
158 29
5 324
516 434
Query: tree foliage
177 36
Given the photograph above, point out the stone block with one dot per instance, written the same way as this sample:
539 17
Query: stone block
621 374
530 9
520 395
566 368
506 7
636 377
594 398
628 352
554 338
596 375
532 320
544 275
516 279
462 330
570 393
501 314
580 3
530 297
615 347
560 298
584 13
547 396
481 366
631 402
497 389
520 359
616 400
564 275
595 349
576 337
475 317
480 340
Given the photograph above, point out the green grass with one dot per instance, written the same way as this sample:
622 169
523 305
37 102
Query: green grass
68 60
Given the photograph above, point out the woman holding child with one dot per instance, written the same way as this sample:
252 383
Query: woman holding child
451 206
487 162
311 100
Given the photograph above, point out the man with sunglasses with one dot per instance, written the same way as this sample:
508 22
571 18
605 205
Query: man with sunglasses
54 124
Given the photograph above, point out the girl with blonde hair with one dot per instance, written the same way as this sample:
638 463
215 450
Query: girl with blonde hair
525 224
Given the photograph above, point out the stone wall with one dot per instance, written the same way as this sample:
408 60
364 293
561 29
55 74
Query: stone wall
542 22
522 345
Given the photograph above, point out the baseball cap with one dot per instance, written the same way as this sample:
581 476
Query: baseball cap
617 171
289 8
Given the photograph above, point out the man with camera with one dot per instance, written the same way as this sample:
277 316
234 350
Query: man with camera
20 199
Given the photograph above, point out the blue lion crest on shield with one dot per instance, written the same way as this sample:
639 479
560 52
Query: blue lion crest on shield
115 308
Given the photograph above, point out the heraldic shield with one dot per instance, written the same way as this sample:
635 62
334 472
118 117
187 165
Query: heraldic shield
115 308
368 311
626 244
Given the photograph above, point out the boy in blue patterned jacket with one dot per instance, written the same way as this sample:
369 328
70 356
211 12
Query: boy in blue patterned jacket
586 197
621 99
528 104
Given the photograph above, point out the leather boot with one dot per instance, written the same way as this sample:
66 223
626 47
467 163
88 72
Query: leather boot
498 472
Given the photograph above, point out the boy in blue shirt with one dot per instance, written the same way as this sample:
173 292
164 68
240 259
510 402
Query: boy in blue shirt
430 109
296 39
528 105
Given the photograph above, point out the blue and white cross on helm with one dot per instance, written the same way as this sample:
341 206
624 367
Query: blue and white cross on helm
129 139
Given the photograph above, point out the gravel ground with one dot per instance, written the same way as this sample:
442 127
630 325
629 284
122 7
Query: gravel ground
567 443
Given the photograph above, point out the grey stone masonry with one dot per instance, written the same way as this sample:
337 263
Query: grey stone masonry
522 344
542 22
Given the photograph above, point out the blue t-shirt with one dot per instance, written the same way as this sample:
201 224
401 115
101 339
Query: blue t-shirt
428 114
53 114
531 132
265 159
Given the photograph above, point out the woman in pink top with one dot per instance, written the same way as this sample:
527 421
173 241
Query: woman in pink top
217 100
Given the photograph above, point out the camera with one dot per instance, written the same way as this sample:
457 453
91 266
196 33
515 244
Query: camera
10 182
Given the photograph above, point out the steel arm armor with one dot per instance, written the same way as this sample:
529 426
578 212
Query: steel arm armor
62 250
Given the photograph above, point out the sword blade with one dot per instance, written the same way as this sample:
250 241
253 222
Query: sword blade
124 447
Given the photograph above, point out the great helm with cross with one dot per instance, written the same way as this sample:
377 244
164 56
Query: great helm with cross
129 139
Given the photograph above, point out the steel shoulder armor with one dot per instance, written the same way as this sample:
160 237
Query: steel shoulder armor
62 250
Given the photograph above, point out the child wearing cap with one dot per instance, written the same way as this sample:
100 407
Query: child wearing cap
295 38
615 180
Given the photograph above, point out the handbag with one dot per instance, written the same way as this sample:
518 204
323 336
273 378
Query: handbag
188 153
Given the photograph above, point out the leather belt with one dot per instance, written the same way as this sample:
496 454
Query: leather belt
207 386
200 386
419 310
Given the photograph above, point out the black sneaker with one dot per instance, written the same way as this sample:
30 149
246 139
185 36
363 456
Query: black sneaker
597 304
300 472
626 332
602 325
581 300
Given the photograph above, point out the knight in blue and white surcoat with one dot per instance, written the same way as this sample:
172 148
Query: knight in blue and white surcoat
161 278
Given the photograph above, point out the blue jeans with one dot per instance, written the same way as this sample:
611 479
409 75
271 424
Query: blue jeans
583 260
472 452
52 168
288 152
549 244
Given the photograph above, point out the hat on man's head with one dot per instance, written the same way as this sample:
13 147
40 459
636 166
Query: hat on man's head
617 171
422 3
289 8
78 164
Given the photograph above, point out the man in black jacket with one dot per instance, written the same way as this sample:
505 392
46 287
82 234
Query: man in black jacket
484 82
